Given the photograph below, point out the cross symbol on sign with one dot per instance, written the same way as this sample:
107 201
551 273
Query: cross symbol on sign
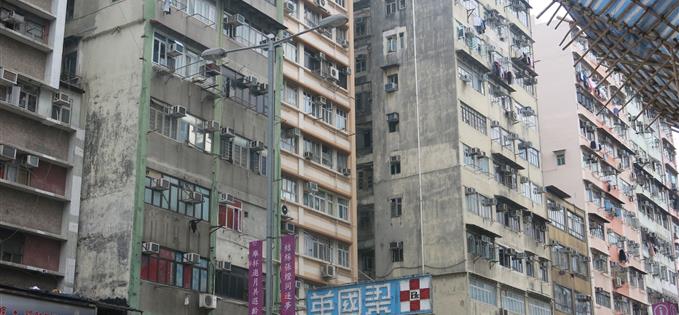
414 295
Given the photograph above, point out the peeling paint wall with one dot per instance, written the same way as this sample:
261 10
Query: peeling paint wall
111 71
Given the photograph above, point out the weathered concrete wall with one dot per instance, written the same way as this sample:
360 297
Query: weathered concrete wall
21 57
43 4
39 138
30 211
111 69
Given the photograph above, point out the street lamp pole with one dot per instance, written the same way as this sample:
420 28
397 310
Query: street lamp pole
270 46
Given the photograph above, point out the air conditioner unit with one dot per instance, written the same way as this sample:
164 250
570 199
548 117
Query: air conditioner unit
207 301
211 126
210 69
583 298
328 272
224 265
191 258
308 155
521 255
334 73
298 284
290 7
160 184
261 89
7 152
617 283
490 202
395 245
257 145
345 171
150 248
392 117
475 151
246 81
192 197
228 132
7 77
322 56
525 145
234 20
510 251
31 161
538 190
345 43
395 158
288 228
391 87
321 4
465 78
294 132
177 111
175 49
59 98
310 186
11 16
226 198
469 190
506 169
523 179
511 115
494 124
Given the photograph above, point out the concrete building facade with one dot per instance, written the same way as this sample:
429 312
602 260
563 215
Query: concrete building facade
41 149
616 160
175 161
449 150
175 164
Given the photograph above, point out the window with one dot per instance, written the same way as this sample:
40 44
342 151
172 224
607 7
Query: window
28 97
289 139
320 201
534 157
392 78
169 267
231 217
513 302
401 4
479 205
365 178
563 299
395 165
290 94
390 7
544 270
475 78
536 307
396 251
289 189
177 197
603 298
576 226
560 157
318 247
342 208
236 150
482 291
361 26
232 284
596 229
582 305
61 113
480 245
473 118
361 63
341 3
392 43
341 119
343 255
395 204
556 214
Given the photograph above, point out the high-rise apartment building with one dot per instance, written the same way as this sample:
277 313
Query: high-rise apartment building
41 150
175 175
317 143
616 160
449 170
174 184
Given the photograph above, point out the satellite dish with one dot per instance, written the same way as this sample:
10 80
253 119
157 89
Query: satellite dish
284 210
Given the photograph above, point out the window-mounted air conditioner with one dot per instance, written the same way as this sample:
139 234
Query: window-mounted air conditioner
150 248
160 184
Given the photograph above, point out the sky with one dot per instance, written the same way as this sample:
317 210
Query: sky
539 5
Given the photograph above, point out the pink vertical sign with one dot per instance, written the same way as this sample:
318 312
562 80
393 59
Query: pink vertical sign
288 299
255 289
664 308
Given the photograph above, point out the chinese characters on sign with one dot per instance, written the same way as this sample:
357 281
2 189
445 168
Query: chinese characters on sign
255 289
398 296
287 272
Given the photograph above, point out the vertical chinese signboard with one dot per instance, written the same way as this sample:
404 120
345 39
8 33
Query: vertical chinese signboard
664 308
398 296
255 289
287 272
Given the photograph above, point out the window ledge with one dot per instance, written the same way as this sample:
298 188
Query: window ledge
32 190
47 121
31 268
25 39
301 205
33 231
324 262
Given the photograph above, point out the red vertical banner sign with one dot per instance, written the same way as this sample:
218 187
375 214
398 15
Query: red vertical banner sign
255 283
288 299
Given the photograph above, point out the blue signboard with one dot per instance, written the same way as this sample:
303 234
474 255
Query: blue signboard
410 295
